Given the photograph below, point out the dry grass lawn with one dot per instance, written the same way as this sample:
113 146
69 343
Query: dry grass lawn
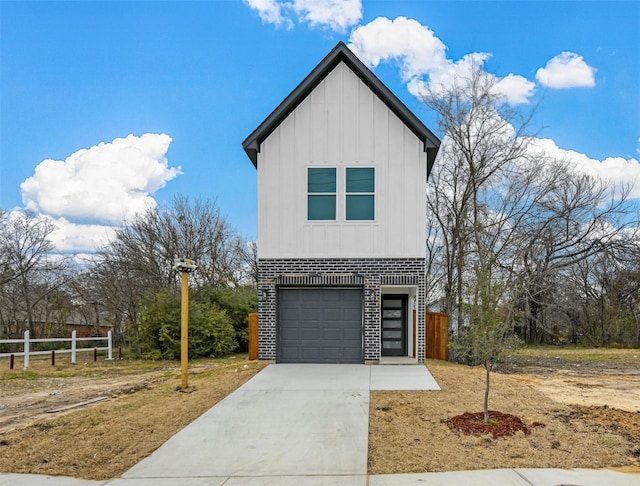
407 431
105 439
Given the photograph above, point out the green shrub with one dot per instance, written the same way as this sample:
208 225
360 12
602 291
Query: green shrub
211 332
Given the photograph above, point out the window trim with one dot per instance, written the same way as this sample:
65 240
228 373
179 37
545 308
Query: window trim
311 194
348 193
340 194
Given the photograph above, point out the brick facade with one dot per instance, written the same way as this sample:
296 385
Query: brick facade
367 273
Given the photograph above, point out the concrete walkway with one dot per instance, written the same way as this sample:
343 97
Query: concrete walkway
303 424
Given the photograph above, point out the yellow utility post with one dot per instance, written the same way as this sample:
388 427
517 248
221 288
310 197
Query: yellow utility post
184 332
185 266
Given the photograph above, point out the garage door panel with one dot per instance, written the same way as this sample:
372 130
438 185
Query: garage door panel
290 314
312 354
289 334
332 334
320 325
333 354
310 334
331 296
311 314
332 314
352 335
351 314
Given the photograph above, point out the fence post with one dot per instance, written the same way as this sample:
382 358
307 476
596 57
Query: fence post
26 349
110 346
253 335
73 347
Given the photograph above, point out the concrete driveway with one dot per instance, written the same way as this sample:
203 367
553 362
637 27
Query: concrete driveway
289 420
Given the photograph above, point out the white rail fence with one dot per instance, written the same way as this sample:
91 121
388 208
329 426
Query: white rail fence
26 342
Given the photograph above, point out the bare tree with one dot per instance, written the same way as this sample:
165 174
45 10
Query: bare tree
138 263
577 217
484 139
30 272
606 295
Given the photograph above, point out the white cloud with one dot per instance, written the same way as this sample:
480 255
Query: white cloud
615 170
270 11
566 70
515 89
421 55
106 183
70 237
413 45
336 15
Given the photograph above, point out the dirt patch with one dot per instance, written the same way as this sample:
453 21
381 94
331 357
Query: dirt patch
565 362
621 392
105 439
408 431
24 403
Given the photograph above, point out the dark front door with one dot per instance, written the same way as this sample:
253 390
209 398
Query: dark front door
394 325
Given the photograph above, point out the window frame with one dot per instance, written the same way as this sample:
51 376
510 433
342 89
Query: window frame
323 194
357 193
341 195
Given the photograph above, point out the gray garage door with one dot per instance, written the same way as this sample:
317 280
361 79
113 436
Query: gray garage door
319 325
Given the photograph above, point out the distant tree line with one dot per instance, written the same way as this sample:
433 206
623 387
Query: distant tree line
519 243
129 285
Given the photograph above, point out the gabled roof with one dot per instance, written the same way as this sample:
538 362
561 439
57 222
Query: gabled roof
341 53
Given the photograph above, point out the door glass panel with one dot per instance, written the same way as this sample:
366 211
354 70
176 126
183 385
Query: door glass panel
394 325
392 303
391 344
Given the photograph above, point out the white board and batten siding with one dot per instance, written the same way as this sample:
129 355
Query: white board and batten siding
342 124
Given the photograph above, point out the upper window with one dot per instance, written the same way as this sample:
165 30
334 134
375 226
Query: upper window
351 192
360 194
321 193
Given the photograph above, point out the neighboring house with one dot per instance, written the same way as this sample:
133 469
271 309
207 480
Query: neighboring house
342 171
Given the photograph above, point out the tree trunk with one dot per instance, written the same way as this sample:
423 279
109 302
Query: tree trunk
487 367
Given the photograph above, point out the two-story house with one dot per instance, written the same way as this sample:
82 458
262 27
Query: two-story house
342 168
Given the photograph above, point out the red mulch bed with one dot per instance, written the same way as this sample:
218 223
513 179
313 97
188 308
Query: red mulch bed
504 424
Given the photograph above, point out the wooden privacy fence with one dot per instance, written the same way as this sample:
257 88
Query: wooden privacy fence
437 335
253 335
26 346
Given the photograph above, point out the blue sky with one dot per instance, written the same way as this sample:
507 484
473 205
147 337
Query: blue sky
190 80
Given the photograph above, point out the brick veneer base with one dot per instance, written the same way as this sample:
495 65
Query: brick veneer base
367 273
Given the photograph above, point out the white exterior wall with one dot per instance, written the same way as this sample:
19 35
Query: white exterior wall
342 124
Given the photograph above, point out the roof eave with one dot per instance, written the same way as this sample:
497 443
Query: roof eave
340 53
